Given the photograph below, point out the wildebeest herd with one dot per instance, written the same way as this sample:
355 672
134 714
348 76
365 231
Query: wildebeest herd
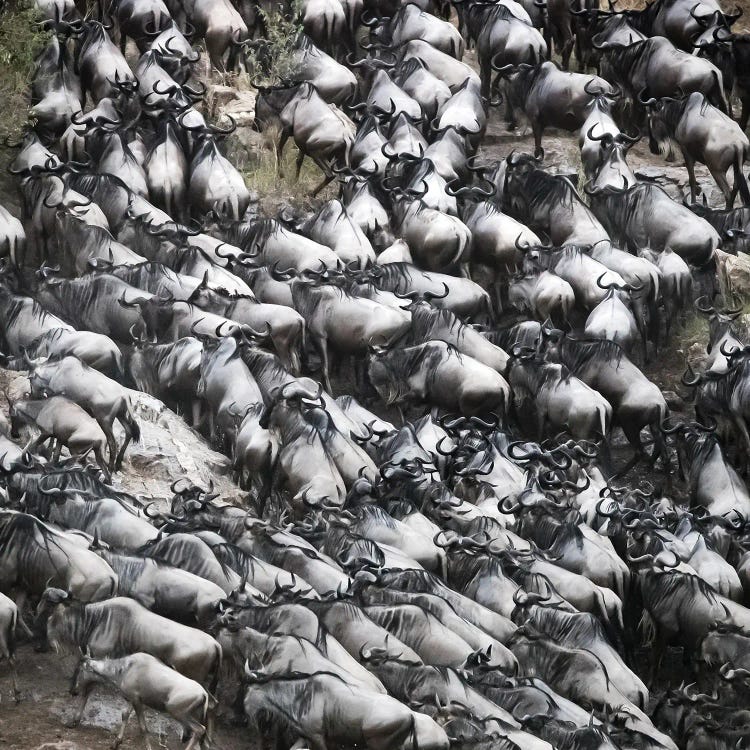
458 552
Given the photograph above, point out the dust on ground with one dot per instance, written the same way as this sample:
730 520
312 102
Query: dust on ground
41 721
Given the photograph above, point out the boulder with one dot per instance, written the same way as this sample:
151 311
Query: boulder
218 96
168 449
675 402
734 274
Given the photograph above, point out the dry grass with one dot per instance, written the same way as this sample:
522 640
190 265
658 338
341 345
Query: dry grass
254 154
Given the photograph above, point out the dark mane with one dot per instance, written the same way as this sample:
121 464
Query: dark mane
79 294
540 188
261 230
669 588
15 527
129 567
673 109
425 320
147 276
90 184
263 364
579 353
409 67
698 446
396 276
377 514
721 387
470 566
574 629
543 374
623 57
409 360
17 303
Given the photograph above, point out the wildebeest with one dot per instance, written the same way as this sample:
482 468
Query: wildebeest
64 423
375 721
164 589
654 65
705 134
549 96
145 682
437 373
558 399
35 555
120 626
100 396
635 400
645 216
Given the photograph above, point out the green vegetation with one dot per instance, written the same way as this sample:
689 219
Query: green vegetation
21 38
272 59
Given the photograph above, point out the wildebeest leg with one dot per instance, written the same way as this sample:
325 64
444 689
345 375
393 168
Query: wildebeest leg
283 138
87 690
111 442
142 723
690 165
322 346
660 448
298 164
326 169
633 435
195 409
193 730
14 679
485 76
566 52
123 723
20 600
57 451
538 129
745 114
326 180
721 180
101 460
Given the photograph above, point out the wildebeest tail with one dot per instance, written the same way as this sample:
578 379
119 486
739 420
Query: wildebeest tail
740 181
602 414
132 422
716 96
414 741
213 676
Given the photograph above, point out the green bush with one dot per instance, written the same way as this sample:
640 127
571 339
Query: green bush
272 58
21 39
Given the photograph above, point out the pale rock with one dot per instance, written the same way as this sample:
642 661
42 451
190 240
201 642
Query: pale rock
675 402
219 96
168 450
734 274
241 108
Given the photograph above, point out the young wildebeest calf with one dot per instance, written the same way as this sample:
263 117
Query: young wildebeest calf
65 423
145 682
103 398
